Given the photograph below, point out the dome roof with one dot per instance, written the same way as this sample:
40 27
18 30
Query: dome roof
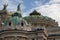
38 17
43 20
35 13
16 14
15 20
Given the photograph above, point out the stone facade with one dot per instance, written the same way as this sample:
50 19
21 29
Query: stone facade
23 35
33 27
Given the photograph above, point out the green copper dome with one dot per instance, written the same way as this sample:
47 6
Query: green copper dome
5 22
36 15
16 14
39 17
15 20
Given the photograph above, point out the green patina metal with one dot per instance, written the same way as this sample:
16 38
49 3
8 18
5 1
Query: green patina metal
16 14
38 16
15 20
5 22
35 13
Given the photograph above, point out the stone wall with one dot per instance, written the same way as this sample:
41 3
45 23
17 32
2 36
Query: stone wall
22 35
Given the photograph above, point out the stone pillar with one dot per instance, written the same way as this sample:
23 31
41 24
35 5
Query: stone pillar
41 34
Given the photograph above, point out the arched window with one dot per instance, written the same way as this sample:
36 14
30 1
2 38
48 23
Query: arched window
44 39
22 24
9 23
32 38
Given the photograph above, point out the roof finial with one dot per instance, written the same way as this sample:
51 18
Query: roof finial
5 6
18 7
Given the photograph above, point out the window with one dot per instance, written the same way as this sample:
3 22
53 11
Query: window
9 23
32 38
22 24
44 39
1 39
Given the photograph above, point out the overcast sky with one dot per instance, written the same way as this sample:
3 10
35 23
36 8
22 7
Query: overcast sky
49 8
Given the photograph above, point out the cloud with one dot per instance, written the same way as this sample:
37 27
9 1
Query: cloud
51 9
37 3
54 1
12 4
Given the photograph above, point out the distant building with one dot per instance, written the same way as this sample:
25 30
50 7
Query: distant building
33 27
